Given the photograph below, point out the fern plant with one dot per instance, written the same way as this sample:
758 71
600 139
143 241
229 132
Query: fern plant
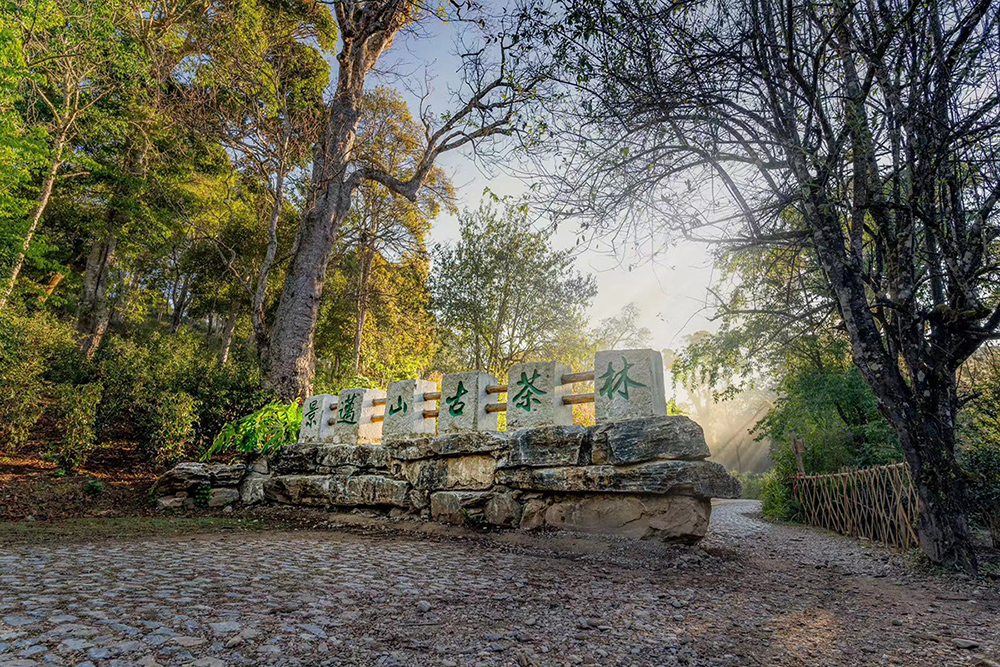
272 427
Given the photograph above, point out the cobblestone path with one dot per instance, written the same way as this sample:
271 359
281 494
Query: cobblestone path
756 594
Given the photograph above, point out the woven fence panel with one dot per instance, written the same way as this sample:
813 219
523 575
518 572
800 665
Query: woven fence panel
877 504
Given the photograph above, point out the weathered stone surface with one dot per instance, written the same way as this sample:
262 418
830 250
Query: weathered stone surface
315 490
463 403
252 488
169 503
453 444
533 513
548 446
502 509
314 410
667 518
639 440
457 472
182 477
534 395
293 459
703 479
223 496
375 490
359 456
458 506
404 410
226 475
628 384
352 421
261 464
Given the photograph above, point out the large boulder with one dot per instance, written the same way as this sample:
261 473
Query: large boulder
358 456
315 490
226 475
702 479
457 507
456 472
375 490
453 444
648 439
548 446
184 477
295 460
252 488
667 518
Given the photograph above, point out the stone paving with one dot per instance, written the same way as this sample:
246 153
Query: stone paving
757 594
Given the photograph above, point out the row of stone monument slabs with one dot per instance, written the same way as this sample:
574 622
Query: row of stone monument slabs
630 386
637 472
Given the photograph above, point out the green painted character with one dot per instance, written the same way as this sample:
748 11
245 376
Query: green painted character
399 407
311 413
526 396
455 404
346 413
618 381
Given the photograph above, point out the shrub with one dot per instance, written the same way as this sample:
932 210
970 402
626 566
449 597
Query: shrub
982 461
76 413
779 499
169 426
28 346
753 484
94 487
272 427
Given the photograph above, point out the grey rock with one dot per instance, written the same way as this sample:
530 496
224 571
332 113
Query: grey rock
226 475
182 477
295 459
502 509
315 490
359 456
472 472
375 490
225 627
452 444
682 519
457 506
423 606
252 488
548 446
648 439
222 497
702 479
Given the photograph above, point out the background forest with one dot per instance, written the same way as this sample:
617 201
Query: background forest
207 211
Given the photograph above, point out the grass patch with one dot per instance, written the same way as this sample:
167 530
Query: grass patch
120 528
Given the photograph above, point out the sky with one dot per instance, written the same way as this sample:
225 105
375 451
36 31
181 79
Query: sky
670 293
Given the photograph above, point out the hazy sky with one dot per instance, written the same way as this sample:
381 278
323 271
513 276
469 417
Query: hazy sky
671 293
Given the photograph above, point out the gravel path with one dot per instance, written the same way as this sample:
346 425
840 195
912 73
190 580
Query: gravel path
754 594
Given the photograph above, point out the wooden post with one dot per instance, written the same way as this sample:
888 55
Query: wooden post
799 447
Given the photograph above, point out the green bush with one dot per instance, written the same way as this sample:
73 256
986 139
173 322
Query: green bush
168 426
28 347
753 484
779 499
982 461
95 487
272 427
75 410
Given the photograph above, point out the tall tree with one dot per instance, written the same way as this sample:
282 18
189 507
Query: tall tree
503 293
492 92
865 133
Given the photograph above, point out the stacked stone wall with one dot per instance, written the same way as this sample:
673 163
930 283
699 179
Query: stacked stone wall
643 478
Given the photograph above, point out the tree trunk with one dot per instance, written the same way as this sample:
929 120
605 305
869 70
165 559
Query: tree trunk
180 305
289 358
36 216
54 280
227 334
93 314
361 313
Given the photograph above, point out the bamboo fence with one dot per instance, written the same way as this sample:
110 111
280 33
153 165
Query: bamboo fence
877 504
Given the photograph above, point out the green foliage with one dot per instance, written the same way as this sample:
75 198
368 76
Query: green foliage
30 348
502 291
753 484
982 461
270 428
778 495
76 414
169 426
95 487
202 494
